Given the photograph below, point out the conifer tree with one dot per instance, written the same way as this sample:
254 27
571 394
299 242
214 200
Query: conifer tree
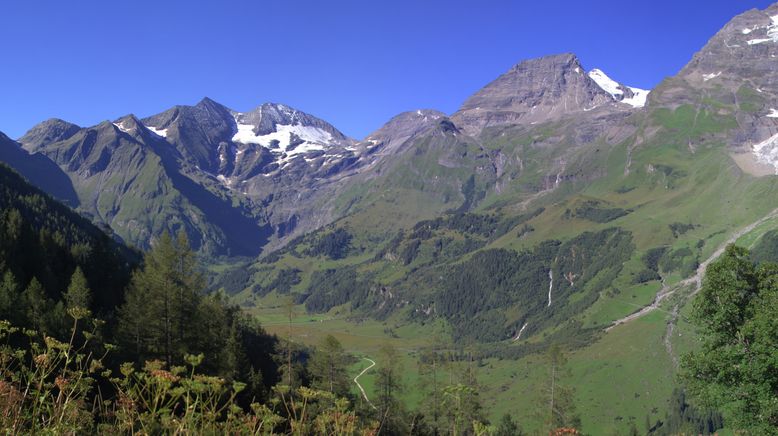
159 315
37 305
9 297
78 294
328 367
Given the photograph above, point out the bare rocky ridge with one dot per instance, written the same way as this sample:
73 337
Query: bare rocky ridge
738 68
535 91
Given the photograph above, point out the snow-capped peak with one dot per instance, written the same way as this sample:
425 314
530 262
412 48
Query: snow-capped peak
288 139
606 83
636 97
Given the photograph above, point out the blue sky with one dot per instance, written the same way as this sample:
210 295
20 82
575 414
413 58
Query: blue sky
352 63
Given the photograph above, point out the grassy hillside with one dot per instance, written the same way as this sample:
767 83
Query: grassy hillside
671 189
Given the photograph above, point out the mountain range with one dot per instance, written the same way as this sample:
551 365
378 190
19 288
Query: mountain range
242 182
557 205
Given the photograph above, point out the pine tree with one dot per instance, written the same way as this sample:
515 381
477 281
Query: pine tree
508 427
557 406
159 318
388 386
9 296
37 305
78 295
328 367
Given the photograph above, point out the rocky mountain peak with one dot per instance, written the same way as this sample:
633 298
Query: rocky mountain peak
51 130
283 129
535 91
402 128
129 124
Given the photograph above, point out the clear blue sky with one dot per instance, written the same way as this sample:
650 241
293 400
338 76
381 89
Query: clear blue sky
352 63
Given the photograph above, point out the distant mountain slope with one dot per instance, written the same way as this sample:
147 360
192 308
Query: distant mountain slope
43 239
545 166
39 170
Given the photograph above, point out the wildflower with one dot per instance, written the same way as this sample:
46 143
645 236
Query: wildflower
41 360
161 374
61 382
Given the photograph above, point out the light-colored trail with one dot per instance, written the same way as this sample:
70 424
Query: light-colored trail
356 380
696 279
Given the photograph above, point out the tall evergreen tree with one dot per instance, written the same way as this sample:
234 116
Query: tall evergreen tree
388 386
78 294
158 318
328 367
9 298
557 406
37 305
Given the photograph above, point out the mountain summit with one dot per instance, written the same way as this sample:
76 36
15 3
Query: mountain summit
543 89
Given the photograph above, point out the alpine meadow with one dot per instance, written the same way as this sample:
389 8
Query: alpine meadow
563 254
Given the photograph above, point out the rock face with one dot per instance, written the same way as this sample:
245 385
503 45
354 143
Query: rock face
235 182
535 91
738 69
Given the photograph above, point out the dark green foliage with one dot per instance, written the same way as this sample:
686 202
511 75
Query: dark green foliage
334 245
508 427
652 257
735 370
592 211
645 276
388 386
490 226
766 249
334 287
473 295
682 260
410 251
679 229
281 283
285 279
166 316
684 418
234 280
471 193
78 293
329 368
42 244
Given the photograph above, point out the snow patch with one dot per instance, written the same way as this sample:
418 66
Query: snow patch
122 127
158 132
314 138
773 113
767 151
706 77
616 90
639 97
772 33
225 181
606 83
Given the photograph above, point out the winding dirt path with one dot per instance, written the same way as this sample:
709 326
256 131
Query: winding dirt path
356 380
696 279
